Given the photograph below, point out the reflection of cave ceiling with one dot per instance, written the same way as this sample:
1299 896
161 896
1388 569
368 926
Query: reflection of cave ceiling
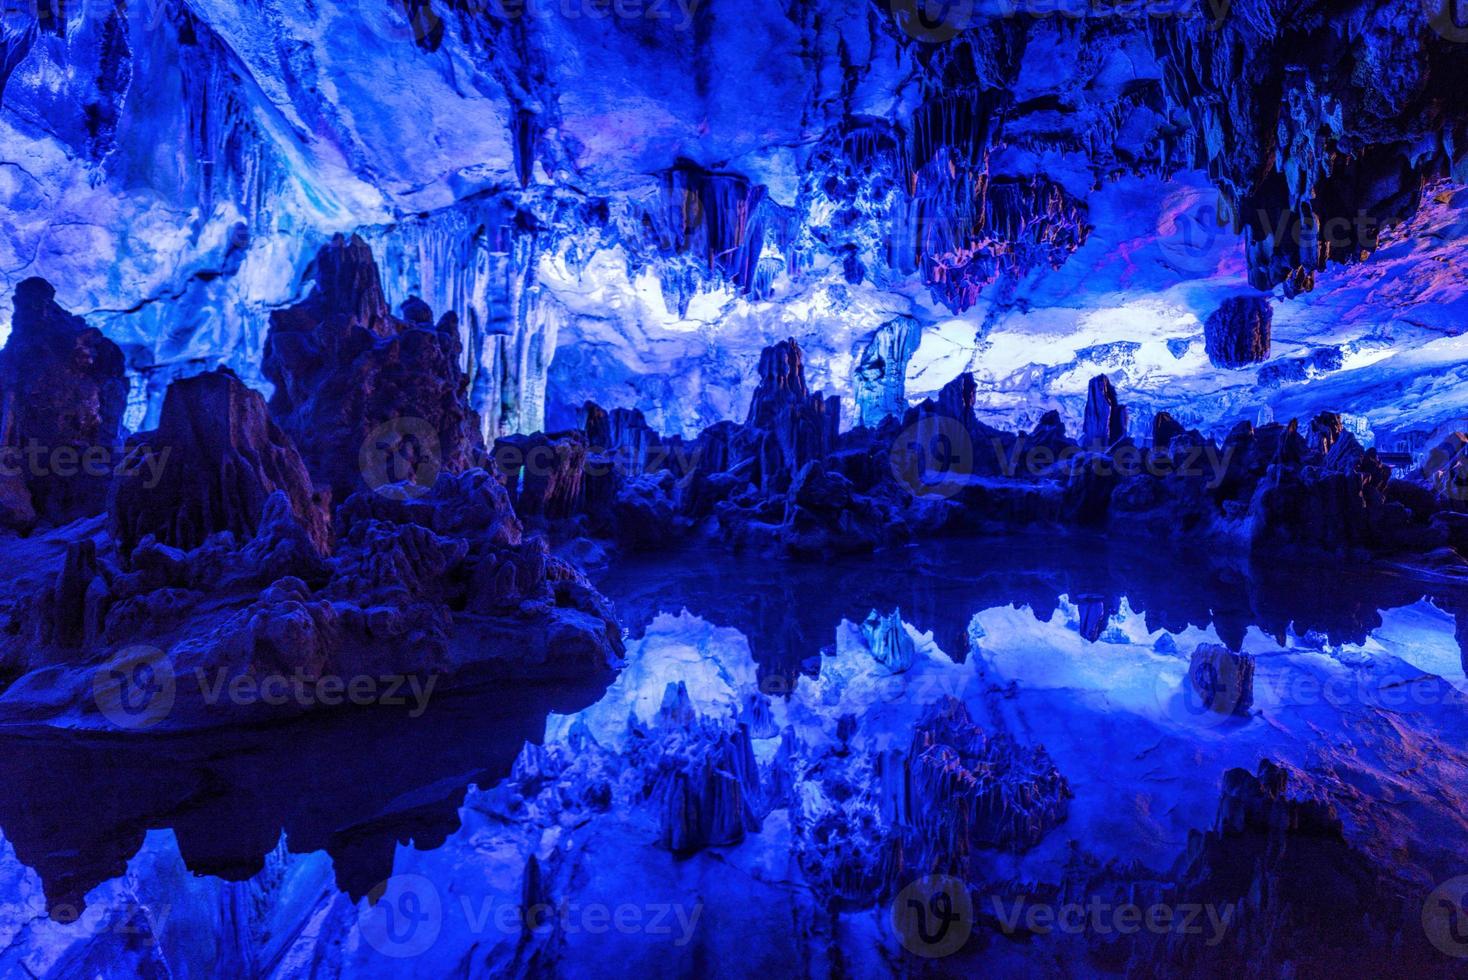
626 202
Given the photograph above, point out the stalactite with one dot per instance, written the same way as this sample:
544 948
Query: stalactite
234 160
963 125
966 788
721 220
15 44
880 381
480 260
1310 162
971 230
526 137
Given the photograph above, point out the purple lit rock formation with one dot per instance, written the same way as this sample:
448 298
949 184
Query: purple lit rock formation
366 395
1105 420
941 395
968 789
1238 332
210 466
63 390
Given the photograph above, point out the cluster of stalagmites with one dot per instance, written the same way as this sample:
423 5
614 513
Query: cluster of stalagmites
864 823
238 553
966 788
787 481
345 369
64 390
1276 867
1274 888
1303 900
332 498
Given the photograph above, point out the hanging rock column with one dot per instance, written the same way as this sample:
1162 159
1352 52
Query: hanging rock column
1238 332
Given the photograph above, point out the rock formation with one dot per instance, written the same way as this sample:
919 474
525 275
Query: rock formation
1444 471
546 473
787 426
62 394
210 466
371 399
1165 428
1298 892
1105 419
888 640
1238 332
1221 680
879 384
707 792
939 469
969 789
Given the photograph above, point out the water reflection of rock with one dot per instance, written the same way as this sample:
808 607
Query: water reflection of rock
354 784
788 611
357 785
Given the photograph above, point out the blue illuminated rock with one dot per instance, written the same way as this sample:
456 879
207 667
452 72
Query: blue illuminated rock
1222 680
62 393
209 467
369 397
1105 419
1238 332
